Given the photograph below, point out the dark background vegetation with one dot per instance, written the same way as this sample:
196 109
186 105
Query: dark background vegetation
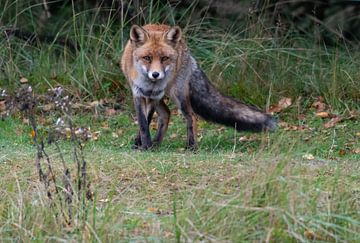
328 21
259 38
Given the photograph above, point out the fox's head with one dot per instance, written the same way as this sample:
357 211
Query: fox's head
154 50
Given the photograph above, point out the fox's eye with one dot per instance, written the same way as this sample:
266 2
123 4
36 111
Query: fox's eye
164 58
147 58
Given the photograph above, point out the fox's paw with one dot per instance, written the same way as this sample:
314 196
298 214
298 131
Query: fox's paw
191 147
138 144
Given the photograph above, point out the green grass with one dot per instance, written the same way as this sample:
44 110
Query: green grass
228 190
266 188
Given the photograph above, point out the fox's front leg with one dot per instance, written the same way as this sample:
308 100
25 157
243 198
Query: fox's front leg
140 108
150 112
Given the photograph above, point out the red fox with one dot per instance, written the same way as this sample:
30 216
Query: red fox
157 62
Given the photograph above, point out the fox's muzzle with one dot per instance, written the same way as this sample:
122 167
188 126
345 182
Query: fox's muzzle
155 75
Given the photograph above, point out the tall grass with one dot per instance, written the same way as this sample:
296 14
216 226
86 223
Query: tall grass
244 60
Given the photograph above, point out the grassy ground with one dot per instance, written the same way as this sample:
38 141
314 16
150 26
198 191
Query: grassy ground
300 183
266 188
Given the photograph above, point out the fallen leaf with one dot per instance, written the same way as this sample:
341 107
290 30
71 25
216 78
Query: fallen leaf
26 121
282 104
67 132
95 135
319 104
248 138
308 156
283 124
332 122
285 102
287 127
168 234
301 117
353 114
110 112
356 151
120 131
151 209
322 114
311 235
296 128
342 152
95 103
105 125
23 80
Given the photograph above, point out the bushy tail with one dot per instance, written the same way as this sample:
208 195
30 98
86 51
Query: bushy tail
207 102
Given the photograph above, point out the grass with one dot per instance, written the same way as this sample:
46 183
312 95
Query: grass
286 186
228 191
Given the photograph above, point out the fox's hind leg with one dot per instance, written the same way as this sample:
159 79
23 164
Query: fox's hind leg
183 103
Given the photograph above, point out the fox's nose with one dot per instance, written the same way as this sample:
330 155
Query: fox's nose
155 74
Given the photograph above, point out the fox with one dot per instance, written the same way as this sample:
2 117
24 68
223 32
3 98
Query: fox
157 63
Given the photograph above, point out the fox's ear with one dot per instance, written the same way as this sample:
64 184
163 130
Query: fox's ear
173 35
138 34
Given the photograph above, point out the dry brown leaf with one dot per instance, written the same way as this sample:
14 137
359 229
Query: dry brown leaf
308 156
319 104
26 121
151 209
353 115
322 114
311 235
296 128
332 122
95 103
95 135
274 109
120 131
23 80
248 138
356 151
282 104
283 124
287 127
105 125
301 117
342 152
110 112
168 234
